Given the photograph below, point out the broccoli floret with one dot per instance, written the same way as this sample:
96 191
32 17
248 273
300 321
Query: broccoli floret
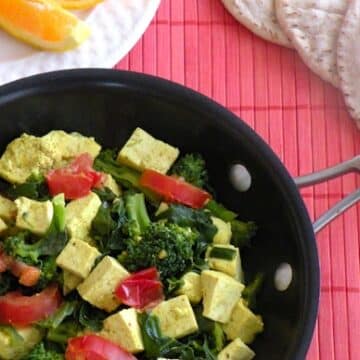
138 218
192 168
39 352
168 247
242 232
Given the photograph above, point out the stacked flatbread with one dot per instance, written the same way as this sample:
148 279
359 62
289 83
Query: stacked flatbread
325 33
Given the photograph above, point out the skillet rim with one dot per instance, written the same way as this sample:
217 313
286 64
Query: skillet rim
176 93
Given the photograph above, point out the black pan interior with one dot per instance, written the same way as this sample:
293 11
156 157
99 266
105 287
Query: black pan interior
109 105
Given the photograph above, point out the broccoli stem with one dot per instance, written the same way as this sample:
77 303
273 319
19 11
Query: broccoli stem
136 211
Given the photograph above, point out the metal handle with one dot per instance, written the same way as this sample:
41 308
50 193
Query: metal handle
327 174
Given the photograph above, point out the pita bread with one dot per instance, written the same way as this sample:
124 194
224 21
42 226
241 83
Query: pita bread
259 17
313 27
348 59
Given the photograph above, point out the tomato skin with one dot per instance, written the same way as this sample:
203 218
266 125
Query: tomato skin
19 310
94 347
174 190
141 290
76 179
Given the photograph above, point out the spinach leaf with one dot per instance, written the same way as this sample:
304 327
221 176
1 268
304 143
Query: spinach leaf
91 317
34 188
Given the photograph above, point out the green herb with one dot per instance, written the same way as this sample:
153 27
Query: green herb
220 211
222 253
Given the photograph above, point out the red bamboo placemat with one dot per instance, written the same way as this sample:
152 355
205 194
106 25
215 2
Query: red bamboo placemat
198 44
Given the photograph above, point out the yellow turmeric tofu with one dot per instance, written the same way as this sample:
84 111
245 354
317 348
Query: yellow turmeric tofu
223 233
142 151
236 350
99 287
176 317
124 330
78 257
32 215
7 209
71 281
243 324
27 154
112 185
79 215
221 292
3 226
191 287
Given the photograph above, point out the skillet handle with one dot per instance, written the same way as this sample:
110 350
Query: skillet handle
327 174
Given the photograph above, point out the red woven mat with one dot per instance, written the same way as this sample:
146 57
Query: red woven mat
197 43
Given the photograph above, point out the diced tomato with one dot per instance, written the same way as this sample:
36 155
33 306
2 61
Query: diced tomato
19 310
28 275
94 347
141 290
174 190
75 180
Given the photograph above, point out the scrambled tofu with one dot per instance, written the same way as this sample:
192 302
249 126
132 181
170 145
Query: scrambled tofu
98 288
229 266
112 185
123 329
78 257
243 324
71 281
79 215
142 151
30 335
32 215
220 295
7 209
176 317
223 234
29 154
3 226
191 287
236 350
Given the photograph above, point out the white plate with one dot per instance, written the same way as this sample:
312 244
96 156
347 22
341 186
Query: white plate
116 26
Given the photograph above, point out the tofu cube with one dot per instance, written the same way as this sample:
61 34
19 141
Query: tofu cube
78 257
79 215
228 266
176 317
142 151
243 324
32 215
123 329
71 281
112 185
7 209
223 234
3 226
30 335
221 292
98 288
236 350
191 287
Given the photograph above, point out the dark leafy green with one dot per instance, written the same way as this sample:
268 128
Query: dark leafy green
105 194
65 310
7 282
252 290
91 317
34 188
40 352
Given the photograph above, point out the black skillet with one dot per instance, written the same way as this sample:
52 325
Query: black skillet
109 104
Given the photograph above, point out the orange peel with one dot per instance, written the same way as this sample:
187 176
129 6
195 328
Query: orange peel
78 4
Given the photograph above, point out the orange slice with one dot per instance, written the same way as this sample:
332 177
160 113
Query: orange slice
43 24
78 4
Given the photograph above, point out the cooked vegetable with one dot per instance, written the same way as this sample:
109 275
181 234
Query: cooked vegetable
141 290
222 253
174 190
137 215
252 289
76 179
17 309
34 188
242 232
192 168
220 211
39 352
168 247
89 347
